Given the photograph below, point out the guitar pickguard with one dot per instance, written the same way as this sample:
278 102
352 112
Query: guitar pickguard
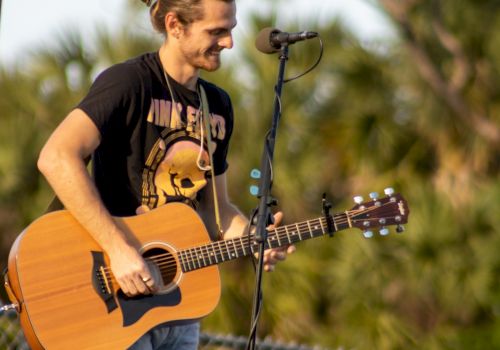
134 308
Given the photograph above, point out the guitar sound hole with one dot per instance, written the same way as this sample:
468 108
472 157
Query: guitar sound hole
164 265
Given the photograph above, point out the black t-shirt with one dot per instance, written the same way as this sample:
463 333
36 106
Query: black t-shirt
149 155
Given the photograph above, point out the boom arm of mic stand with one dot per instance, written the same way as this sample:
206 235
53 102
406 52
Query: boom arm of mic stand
265 195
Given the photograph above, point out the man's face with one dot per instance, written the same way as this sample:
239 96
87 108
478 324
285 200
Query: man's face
202 41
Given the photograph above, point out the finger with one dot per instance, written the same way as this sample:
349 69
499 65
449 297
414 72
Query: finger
291 249
269 268
144 288
140 284
150 284
278 253
128 287
278 218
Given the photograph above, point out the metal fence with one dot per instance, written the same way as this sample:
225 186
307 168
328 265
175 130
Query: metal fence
12 338
11 335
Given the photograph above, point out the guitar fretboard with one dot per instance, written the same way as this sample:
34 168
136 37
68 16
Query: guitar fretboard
225 250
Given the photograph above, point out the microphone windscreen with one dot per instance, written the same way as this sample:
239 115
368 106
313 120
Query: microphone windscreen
263 41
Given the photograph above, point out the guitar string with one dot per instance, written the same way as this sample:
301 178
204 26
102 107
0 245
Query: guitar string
197 258
167 257
168 261
279 235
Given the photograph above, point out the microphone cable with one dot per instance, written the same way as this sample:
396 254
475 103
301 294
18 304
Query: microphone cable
313 66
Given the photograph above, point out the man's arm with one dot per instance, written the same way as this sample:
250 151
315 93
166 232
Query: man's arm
234 223
62 163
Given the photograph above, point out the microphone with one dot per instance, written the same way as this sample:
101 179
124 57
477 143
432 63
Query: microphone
270 40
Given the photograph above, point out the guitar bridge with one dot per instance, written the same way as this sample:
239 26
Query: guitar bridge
101 283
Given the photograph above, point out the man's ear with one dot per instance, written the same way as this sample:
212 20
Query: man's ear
172 25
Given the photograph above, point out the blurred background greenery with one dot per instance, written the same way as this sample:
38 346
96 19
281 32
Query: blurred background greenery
419 111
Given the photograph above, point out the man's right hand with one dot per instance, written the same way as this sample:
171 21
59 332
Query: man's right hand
131 271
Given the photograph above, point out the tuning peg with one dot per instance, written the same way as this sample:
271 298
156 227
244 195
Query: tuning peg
368 234
384 231
358 199
400 229
389 191
254 190
374 195
255 174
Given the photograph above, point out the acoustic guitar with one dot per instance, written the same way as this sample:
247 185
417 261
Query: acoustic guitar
60 282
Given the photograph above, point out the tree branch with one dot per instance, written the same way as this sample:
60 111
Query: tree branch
448 92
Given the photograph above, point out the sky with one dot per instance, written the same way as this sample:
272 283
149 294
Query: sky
27 24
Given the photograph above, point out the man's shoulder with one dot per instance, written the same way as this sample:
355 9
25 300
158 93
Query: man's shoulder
132 70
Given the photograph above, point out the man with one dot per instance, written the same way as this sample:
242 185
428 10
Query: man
143 124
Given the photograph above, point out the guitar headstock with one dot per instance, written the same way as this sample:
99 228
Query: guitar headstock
379 213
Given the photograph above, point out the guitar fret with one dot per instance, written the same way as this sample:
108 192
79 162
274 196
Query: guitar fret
235 249
208 255
188 260
181 260
278 237
214 253
196 256
228 251
298 231
309 226
227 255
348 219
322 228
269 243
221 256
217 251
193 256
202 257
196 261
288 235
243 247
334 223
273 238
184 260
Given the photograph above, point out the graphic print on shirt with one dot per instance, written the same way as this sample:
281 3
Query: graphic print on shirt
171 173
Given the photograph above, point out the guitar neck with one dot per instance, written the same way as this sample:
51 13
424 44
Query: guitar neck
226 250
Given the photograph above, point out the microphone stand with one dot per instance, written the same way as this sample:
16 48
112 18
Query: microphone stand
266 201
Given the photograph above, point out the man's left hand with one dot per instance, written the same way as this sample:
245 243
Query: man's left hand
272 256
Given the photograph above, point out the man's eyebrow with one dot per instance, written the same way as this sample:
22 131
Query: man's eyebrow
222 28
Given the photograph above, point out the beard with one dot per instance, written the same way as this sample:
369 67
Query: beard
208 60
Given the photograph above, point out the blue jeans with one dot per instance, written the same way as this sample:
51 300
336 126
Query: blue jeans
162 337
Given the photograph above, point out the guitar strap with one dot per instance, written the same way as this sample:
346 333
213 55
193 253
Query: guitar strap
208 131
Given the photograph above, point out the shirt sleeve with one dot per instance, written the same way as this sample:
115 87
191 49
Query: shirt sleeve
220 155
113 94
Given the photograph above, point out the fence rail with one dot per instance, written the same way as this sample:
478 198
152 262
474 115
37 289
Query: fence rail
12 338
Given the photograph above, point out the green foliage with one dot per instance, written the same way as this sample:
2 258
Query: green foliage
418 113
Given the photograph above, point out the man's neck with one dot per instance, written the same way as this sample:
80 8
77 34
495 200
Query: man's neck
177 68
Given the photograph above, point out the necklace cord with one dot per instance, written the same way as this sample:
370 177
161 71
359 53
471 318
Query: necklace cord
204 119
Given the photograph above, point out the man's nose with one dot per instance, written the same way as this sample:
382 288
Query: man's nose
226 41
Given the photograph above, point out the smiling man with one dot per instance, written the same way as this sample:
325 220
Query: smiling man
144 125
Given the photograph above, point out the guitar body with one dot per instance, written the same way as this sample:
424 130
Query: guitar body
63 305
